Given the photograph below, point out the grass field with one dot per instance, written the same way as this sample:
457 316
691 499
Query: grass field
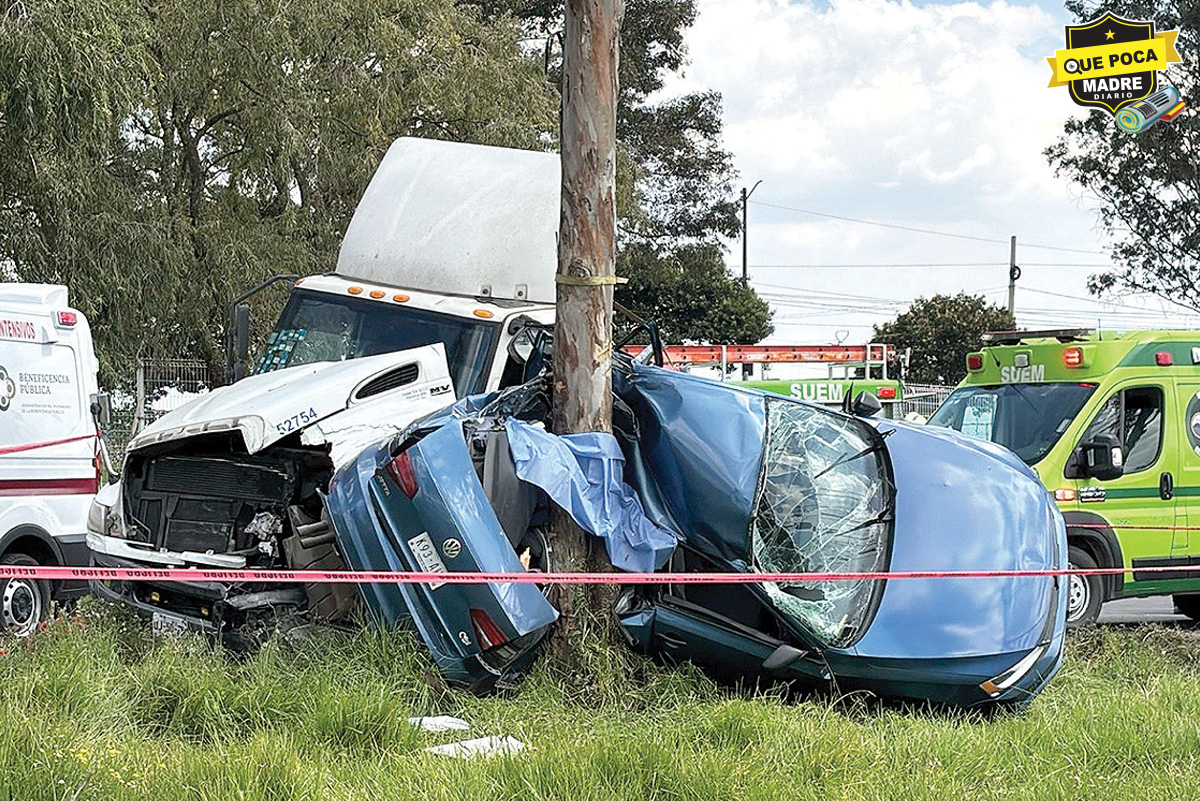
96 708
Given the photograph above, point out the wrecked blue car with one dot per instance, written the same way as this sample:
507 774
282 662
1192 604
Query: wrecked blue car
700 476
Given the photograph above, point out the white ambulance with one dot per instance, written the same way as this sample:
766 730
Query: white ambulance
49 445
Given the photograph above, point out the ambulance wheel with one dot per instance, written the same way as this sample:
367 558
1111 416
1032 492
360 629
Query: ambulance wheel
1188 605
24 603
1085 594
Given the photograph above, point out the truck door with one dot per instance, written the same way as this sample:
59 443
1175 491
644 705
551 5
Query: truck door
1140 504
1187 482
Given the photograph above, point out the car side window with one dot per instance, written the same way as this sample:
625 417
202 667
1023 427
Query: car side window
1134 416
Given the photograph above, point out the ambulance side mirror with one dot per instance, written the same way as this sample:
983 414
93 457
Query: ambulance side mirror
1101 457
101 407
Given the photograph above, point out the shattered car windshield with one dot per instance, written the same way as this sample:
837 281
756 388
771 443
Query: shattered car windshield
824 505
1028 419
316 327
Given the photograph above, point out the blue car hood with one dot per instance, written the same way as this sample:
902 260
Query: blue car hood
963 505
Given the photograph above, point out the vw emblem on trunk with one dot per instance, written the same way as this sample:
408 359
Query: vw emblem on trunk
451 548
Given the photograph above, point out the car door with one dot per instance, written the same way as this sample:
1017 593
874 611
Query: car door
729 631
1187 482
1139 504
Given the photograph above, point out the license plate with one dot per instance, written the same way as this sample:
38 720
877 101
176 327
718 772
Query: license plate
163 623
427 556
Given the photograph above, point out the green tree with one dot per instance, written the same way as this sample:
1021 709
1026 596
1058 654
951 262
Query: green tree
250 134
939 332
687 291
1148 184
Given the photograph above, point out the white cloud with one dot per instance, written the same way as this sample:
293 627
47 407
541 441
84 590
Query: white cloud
926 115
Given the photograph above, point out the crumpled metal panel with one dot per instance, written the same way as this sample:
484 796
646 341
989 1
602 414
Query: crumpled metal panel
822 507
701 443
582 474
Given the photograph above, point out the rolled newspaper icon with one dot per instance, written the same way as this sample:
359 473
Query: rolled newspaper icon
1144 113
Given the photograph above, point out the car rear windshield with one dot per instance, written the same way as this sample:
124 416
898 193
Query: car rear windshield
1025 418
824 504
315 327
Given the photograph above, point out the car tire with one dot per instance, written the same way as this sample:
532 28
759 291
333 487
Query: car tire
24 603
1188 605
1085 593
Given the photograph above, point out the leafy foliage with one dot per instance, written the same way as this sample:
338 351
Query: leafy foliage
1148 183
687 291
225 142
941 331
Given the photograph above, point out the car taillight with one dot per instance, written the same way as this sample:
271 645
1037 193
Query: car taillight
974 361
489 633
1073 357
401 471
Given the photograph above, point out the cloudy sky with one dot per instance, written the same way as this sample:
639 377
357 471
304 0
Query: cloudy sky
864 119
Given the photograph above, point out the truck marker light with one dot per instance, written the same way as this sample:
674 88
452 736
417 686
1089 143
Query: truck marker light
375 293
400 298
484 313
974 361
1163 359
1073 357
402 472
887 393
1065 494
355 290
66 319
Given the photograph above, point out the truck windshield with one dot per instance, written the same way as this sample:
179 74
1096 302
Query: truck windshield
1025 418
824 505
316 327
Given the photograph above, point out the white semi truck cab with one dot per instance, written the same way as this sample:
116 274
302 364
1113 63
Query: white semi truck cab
444 277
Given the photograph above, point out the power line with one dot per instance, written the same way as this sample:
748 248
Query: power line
929 231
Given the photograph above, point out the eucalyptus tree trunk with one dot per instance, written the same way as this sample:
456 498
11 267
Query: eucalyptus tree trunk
586 258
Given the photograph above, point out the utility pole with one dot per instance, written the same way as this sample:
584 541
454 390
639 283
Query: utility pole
745 198
582 392
1014 272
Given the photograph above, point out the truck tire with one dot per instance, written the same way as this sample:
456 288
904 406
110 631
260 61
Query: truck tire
1085 593
1188 604
24 603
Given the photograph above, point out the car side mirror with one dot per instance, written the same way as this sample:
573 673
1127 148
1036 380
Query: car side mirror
865 404
101 407
1101 457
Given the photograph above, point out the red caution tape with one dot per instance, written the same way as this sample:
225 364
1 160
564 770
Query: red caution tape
35 445
372 577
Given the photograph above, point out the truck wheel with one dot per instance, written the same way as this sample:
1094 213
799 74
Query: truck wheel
24 603
1188 605
1085 593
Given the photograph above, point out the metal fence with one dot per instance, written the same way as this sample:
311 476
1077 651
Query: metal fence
162 385
922 399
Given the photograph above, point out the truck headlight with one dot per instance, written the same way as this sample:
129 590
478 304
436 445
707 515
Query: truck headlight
103 516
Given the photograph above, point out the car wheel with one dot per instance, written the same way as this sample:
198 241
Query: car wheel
1188 605
1085 593
24 603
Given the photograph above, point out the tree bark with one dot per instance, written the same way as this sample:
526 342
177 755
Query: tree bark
586 259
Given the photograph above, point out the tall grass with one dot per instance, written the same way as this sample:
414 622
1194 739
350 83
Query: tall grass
99 709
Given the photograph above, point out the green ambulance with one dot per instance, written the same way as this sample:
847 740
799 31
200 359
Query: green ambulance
1111 424
832 391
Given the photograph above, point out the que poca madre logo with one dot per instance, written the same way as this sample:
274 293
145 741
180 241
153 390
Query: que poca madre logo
1113 63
